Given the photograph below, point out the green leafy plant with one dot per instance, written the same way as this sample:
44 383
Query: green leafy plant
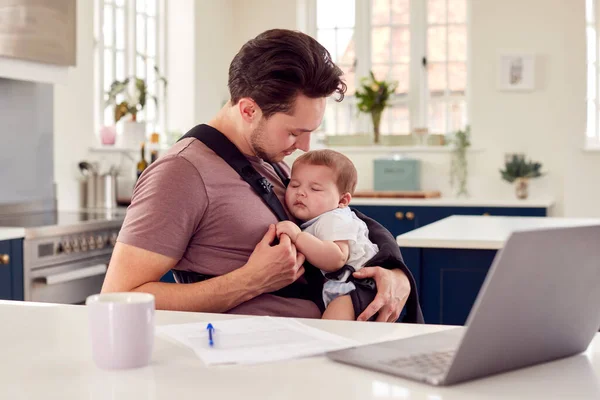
461 141
373 97
518 167
129 96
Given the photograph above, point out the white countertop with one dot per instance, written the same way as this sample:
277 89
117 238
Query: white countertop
46 353
11 233
455 202
480 232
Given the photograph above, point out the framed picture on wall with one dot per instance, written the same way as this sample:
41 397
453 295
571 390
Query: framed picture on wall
516 72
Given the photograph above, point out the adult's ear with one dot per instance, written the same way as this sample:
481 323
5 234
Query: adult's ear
345 200
249 110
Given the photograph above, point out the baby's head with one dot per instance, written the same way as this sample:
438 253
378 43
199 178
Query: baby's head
322 180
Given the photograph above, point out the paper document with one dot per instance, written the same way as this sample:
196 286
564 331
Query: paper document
254 340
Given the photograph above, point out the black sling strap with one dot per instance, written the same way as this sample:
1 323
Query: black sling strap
223 147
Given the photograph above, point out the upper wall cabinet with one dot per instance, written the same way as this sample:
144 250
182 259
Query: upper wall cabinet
40 31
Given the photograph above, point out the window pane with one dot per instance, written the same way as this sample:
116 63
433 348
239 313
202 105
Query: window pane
380 12
589 11
436 11
380 45
400 73
345 46
109 116
457 11
335 13
120 28
591 119
151 38
384 125
436 43
437 117
591 82
381 72
150 109
140 37
120 65
140 6
457 76
140 67
401 12
401 45
151 74
328 124
108 69
349 78
151 7
120 3
457 43
400 120
458 115
591 44
107 28
327 38
436 78
344 118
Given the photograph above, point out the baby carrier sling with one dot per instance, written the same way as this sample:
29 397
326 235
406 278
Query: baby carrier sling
311 287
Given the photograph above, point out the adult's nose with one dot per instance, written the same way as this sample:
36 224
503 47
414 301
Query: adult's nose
303 142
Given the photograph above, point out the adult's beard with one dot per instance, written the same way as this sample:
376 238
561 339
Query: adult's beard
258 139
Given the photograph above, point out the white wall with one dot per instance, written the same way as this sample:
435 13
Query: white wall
74 112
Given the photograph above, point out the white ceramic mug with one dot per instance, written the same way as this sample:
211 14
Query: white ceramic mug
121 329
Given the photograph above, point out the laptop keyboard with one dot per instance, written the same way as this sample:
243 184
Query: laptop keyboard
435 363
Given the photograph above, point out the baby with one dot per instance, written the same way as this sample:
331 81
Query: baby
331 235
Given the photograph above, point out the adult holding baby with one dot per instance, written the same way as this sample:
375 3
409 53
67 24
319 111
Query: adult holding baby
193 213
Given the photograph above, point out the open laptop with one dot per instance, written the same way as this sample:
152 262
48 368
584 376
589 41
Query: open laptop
540 301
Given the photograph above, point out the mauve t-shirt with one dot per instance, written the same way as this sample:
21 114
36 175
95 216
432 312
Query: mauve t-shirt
192 206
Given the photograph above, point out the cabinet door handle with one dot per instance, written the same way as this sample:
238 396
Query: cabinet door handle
400 215
486 214
410 215
4 259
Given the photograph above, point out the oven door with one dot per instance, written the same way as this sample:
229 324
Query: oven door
68 283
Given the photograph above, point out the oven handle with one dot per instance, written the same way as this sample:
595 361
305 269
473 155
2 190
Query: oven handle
62 277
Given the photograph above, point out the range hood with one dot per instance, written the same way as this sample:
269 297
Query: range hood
37 39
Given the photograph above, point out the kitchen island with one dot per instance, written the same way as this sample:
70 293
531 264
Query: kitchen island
451 257
46 352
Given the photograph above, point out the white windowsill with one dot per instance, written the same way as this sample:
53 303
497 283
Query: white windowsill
397 149
591 147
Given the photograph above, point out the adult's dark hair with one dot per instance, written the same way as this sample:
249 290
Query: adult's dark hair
280 64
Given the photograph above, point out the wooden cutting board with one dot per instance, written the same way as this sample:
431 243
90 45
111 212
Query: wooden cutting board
427 194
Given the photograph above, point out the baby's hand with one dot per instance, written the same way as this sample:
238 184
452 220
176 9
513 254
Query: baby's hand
289 228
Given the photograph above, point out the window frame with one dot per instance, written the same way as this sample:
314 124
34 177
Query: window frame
418 98
592 141
130 56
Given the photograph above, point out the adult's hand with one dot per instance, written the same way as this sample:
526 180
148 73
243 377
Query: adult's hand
393 289
274 267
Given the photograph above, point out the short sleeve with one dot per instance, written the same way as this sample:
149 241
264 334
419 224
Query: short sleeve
335 225
166 208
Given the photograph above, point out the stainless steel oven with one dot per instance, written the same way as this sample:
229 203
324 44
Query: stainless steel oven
65 253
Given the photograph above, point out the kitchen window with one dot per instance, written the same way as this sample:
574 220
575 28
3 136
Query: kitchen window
130 41
421 44
593 107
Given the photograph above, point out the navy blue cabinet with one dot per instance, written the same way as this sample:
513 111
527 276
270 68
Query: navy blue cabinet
11 269
448 280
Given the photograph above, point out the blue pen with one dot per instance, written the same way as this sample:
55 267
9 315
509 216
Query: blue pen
210 330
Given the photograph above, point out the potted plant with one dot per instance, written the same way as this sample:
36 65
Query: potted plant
373 97
460 142
518 170
129 97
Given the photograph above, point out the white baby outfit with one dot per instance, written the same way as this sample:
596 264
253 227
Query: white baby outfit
342 224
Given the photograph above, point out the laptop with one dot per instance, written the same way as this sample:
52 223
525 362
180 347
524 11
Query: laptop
540 301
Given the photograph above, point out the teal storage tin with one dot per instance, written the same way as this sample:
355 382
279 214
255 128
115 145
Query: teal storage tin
397 173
